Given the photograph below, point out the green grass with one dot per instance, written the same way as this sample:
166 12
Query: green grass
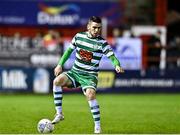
120 113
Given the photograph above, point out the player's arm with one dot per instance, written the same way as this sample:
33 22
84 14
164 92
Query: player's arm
116 64
61 62
65 56
107 50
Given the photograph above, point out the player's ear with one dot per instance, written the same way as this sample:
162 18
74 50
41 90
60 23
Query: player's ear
88 26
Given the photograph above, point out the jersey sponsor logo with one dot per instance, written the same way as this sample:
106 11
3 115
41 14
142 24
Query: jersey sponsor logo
85 55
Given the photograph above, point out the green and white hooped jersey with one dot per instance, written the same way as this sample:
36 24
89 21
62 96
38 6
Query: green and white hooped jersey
89 52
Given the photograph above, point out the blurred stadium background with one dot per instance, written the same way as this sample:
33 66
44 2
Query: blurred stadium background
145 35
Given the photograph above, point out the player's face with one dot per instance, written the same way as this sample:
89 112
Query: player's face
94 28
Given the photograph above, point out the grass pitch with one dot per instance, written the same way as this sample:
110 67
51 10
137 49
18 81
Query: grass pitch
120 113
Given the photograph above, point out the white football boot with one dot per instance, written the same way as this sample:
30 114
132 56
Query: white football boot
58 117
97 130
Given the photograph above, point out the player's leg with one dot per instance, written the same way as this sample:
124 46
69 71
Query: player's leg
94 106
58 83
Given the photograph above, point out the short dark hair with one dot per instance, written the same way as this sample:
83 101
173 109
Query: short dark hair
95 19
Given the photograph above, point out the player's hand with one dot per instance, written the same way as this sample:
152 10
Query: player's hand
57 70
119 69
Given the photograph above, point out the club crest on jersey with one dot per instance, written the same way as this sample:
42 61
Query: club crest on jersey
97 46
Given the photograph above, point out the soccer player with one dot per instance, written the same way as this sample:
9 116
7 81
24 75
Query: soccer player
90 47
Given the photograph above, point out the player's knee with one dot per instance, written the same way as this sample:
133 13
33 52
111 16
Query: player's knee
58 81
90 94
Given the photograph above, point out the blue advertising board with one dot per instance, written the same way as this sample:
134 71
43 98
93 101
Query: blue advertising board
137 82
39 80
21 79
60 13
15 79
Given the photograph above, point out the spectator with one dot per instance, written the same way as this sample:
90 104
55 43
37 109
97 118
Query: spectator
117 33
154 50
37 41
50 40
16 40
60 41
173 53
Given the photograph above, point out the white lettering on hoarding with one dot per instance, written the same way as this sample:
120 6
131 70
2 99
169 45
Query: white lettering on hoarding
44 59
44 18
14 79
144 83
13 19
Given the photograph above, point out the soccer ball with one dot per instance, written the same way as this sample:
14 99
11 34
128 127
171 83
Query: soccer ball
45 126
